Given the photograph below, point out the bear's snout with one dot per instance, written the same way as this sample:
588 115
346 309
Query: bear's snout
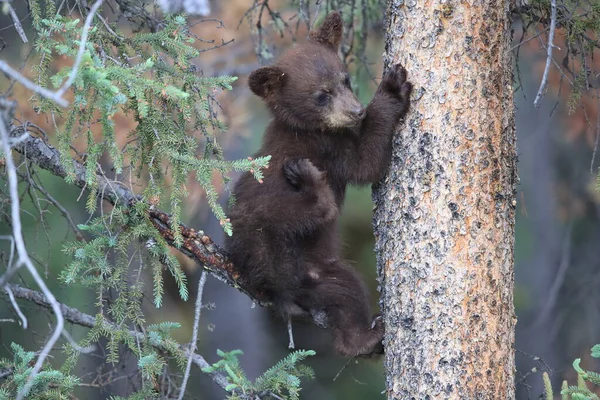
358 113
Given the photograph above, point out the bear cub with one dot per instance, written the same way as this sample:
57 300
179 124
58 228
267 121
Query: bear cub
286 243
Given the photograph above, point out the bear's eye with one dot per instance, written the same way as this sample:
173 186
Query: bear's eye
323 99
347 81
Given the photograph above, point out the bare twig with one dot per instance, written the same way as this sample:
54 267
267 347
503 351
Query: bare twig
291 344
194 340
15 305
109 29
50 95
544 82
24 259
11 25
542 365
342 369
18 26
522 42
84 350
82 43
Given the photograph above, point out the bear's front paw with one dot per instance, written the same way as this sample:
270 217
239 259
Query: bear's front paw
395 83
301 172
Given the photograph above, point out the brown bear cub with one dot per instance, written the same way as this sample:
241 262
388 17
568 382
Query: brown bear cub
285 240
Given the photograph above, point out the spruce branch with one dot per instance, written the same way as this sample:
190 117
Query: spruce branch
202 249
82 45
196 245
76 317
56 96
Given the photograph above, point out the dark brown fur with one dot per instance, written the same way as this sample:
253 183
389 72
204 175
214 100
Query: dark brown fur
286 242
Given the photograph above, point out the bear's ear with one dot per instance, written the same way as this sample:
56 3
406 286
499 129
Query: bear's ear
330 32
264 81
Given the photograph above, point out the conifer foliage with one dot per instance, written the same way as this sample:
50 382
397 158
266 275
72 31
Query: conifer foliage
283 379
581 391
148 76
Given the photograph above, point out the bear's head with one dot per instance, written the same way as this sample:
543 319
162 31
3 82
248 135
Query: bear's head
309 87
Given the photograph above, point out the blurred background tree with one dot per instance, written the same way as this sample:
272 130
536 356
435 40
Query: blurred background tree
558 203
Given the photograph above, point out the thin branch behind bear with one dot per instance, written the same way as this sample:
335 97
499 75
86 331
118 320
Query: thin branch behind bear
286 241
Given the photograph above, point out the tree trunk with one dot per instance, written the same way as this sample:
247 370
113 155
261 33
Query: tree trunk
445 213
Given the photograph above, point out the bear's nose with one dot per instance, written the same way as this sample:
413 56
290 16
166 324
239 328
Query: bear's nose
359 113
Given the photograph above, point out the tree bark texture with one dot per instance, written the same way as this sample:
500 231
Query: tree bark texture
445 213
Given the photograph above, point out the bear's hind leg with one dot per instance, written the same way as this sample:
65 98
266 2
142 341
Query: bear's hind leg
337 291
